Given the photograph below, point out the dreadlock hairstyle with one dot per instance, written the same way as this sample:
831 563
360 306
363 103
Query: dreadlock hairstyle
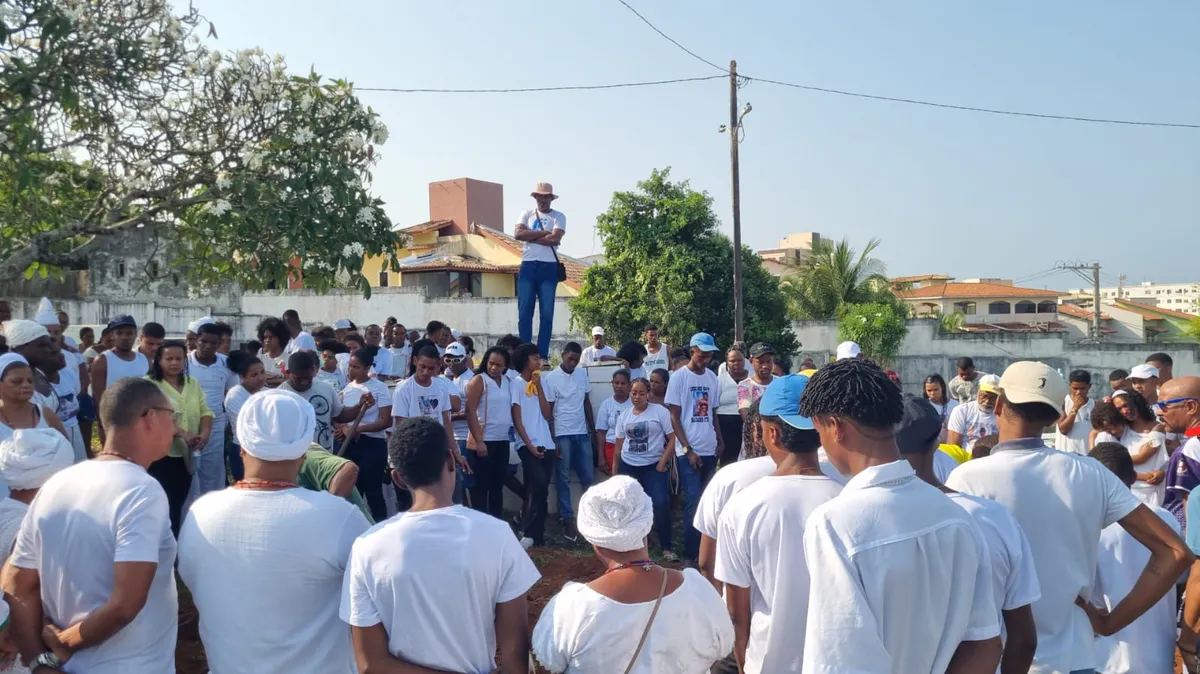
855 388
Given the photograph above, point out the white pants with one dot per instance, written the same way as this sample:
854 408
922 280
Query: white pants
210 466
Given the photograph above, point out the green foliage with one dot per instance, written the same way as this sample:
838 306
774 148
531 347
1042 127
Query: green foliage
877 327
952 322
833 275
666 263
244 167
1192 331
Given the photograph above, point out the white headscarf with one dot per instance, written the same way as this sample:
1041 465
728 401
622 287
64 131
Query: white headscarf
194 326
32 455
276 425
616 514
21 332
46 314
7 359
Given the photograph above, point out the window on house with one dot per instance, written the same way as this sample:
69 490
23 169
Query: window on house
383 278
120 270
1047 307
465 284
175 279
1026 307
152 268
999 308
965 308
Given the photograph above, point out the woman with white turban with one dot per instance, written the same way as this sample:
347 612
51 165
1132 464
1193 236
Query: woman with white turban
59 379
629 619
17 406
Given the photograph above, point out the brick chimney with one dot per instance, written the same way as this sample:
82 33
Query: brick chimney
466 201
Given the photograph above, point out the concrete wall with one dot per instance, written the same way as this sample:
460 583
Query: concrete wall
926 351
97 313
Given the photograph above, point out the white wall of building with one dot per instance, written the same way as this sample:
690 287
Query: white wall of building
1175 296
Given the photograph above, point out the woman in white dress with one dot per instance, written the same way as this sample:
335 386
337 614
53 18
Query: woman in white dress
18 410
1127 419
628 620
935 391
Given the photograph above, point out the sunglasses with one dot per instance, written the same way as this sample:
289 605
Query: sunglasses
1162 405
454 359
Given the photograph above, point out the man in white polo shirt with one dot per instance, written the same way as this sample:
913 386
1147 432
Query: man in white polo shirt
540 229
902 579
1063 501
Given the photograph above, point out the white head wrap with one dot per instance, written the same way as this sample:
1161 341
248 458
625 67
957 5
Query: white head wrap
194 326
32 455
616 514
7 359
276 425
22 332
45 313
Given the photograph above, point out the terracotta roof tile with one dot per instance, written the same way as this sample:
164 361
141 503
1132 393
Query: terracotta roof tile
920 277
451 263
431 226
575 268
1151 312
973 290
1075 311
1051 326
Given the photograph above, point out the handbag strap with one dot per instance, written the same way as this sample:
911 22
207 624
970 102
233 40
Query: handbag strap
662 589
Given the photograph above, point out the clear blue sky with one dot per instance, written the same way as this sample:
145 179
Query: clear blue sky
951 192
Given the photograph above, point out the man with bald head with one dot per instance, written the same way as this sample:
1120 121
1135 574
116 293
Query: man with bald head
1179 406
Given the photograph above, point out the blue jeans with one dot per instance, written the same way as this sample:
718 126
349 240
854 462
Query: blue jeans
233 454
573 451
463 481
537 281
693 480
657 486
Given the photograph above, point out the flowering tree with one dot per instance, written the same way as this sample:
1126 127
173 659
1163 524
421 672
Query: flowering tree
114 115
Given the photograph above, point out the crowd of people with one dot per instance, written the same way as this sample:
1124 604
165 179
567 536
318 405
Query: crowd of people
333 500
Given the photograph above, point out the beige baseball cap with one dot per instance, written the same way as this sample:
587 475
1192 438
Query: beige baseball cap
1029 381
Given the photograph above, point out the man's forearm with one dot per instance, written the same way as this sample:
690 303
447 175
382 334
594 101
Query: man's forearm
738 601
974 657
677 425
99 626
26 623
1159 577
707 560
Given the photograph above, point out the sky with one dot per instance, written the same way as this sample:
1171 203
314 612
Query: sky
945 191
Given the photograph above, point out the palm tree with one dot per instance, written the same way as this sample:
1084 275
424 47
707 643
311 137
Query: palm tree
833 275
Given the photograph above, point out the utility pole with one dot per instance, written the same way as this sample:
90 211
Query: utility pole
1120 286
1096 296
739 327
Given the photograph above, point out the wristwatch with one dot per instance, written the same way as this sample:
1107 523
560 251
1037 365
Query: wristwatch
687 449
47 659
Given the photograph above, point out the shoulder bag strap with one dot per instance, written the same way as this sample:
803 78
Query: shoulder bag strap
662 589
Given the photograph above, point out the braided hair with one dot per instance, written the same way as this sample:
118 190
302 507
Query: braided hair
854 388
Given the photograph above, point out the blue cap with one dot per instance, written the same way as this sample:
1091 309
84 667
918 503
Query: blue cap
124 320
782 399
704 342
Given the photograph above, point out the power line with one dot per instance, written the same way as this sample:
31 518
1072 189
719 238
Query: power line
969 108
672 40
525 90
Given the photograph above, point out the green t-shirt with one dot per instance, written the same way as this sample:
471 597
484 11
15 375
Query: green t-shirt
318 470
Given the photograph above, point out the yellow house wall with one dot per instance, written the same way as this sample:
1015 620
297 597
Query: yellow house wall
499 285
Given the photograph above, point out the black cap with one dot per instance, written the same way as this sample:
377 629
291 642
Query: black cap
120 322
920 427
761 349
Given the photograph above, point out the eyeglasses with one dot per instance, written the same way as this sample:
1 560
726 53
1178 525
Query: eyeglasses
153 408
1161 405
452 360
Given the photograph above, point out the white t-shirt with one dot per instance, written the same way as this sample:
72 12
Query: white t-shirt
383 363
645 434
234 400
568 394
727 405
327 405
86 518
659 359
215 380
410 399
606 418
756 549
336 379
944 410
1150 494
1075 441
1062 502
353 392
461 430
943 465
972 423
724 484
581 631
697 396
531 417
541 222
400 360
1014 578
422 575
301 342
592 355
269 564
1148 643
902 577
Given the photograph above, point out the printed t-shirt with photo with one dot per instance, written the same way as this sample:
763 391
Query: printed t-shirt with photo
972 423
645 434
410 399
606 419
697 396
327 405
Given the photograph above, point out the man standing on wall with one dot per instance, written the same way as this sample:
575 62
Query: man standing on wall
541 229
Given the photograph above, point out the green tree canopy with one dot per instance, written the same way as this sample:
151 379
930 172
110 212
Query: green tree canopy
115 115
833 275
666 263
877 327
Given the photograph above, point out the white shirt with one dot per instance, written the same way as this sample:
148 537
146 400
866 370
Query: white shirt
544 222
422 575
658 359
902 577
1076 441
265 569
728 403
336 379
1062 502
495 407
756 549
972 423
721 488
400 360
353 392
567 393
120 369
606 419
461 430
383 363
645 434
697 396
86 518
216 380
301 342
943 465
410 399
234 400
530 409
1150 494
583 632
592 355
1148 643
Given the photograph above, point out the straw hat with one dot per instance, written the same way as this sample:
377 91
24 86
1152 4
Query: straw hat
543 189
